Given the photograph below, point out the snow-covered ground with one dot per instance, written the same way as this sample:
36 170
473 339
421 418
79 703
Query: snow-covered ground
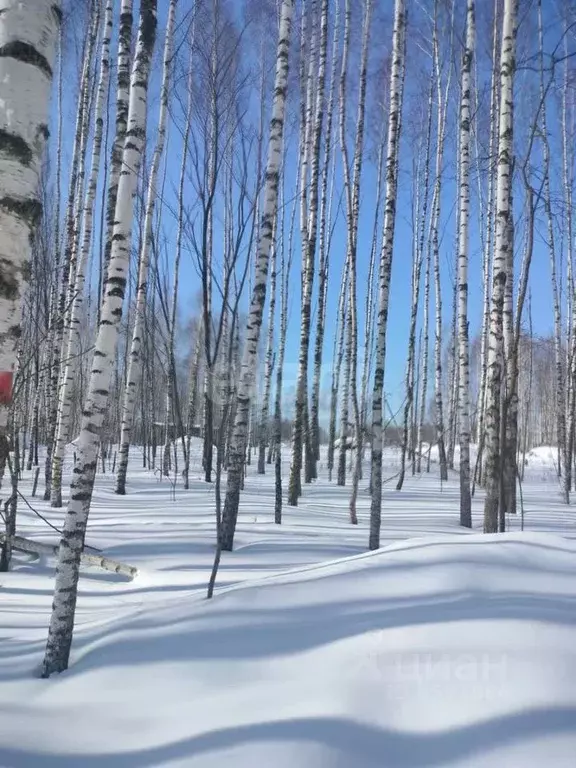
445 648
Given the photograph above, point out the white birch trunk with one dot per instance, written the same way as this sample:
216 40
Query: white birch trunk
324 238
285 269
426 315
254 322
97 400
568 183
435 237
560 403
71 360
353 201
28 35
58 349
263 436
394 118
337 357
501 270
463 239
369 306
488 248
312 132
135 361
417 257
122 97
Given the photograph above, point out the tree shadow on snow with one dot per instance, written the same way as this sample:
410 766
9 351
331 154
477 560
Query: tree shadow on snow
346 742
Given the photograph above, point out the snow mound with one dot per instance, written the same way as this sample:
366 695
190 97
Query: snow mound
431 652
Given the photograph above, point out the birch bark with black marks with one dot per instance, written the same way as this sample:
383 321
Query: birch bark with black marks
285 270
324 241
122 96
71 356
369 305
28 37
311 128
488 247
352 183
417 258
392 155
442 104
501 270
345 443
66 277
250 355
192 401
463 245
423 216
560 402
66 588
337 358
568 184
263 436
135 361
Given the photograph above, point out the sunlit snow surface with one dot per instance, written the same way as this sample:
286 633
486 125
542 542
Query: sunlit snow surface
445 648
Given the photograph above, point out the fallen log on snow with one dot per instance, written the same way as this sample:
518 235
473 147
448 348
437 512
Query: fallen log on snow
39 548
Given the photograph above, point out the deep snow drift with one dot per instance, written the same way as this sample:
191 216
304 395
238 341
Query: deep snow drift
450 649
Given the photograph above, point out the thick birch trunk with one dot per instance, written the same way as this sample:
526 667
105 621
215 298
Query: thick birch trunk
254 323
501 270
28 35
394 118
71 545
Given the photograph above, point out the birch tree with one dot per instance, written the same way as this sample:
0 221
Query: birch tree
122 97
463 238
312 124
72 542
249 358
285 269
392 154
352 194
488 245
501 268
337 357
324 240
62 304
442 107
135 364
28 37
268 364
72 344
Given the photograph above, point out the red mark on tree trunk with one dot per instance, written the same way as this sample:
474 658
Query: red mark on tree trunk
5 387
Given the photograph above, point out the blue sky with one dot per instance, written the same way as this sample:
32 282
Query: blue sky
402 263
